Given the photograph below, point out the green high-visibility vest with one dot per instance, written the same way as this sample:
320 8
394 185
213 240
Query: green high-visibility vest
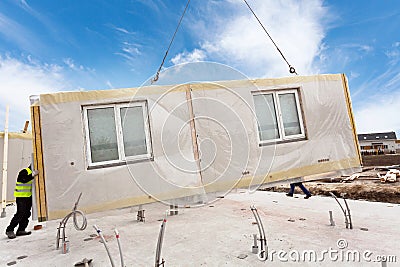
24 189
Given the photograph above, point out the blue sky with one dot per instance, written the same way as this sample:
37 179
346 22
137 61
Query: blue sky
50 46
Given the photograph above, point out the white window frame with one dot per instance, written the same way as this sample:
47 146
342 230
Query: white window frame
122 159
281 130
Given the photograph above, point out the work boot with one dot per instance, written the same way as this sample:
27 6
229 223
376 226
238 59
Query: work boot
11 234
19 233
289 194
307 197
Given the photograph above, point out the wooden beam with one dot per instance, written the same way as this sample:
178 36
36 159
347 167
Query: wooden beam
40 184
25 127
193 130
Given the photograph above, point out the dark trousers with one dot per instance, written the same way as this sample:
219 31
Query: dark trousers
302 187
21 218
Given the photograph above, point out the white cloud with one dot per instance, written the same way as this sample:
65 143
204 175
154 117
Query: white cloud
50 25
15 32
384 83
186 57
130 51
155 5
393 54
354 75
70 63
359 47
24 36
110 85
380 114
18 81
123 30
376 102
236 38
199 71
394 81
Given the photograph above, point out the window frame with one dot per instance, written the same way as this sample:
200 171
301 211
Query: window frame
283 138
118 123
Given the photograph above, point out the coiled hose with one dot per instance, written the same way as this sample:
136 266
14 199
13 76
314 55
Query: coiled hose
64 221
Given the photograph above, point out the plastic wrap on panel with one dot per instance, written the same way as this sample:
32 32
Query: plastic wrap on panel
316 135
225 130
171 169
328 144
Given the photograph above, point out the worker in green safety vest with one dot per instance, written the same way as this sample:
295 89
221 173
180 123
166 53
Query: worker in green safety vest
23 198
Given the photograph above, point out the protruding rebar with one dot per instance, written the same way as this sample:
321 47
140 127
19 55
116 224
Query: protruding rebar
176 210
254 248
173 210
119 247
331 218
263 251
159 245
347 215
140 214
105 244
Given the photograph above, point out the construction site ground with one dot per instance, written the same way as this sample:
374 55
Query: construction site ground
221 234
366 187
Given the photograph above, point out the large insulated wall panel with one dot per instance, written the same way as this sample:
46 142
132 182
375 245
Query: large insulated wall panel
205 137
226 125
170 173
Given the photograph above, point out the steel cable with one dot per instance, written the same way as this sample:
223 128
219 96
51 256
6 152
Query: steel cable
169 46
291 69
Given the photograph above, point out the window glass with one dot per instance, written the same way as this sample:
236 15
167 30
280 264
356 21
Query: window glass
133 131
290 115
102 134
266 115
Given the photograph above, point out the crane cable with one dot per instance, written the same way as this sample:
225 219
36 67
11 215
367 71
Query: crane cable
173 37
291 69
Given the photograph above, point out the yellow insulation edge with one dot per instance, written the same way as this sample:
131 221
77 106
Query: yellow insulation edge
64 97
17 135
351 116
217 186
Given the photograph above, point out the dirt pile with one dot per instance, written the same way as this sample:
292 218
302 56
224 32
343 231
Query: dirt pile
357 190
366 187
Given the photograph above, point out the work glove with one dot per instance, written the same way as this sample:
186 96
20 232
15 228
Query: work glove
35 172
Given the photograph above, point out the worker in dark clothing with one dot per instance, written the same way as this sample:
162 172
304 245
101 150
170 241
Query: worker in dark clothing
23 197
302 187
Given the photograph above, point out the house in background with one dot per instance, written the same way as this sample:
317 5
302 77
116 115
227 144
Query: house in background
378 143
397 146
